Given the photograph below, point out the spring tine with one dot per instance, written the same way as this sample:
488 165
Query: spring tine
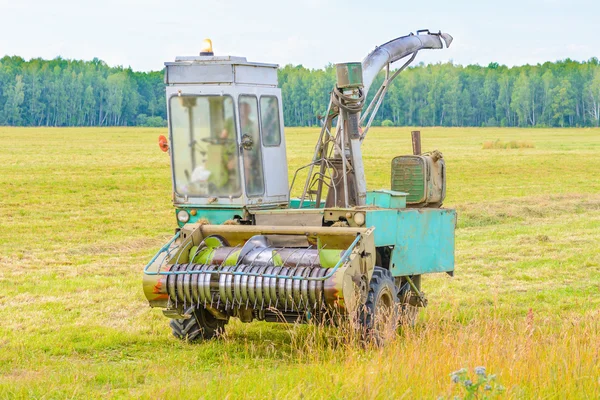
273 254
259 253
281 284
292 253
233 249
236 283
229 285
190 240
222 278
273 283
192 289
303 254
208 280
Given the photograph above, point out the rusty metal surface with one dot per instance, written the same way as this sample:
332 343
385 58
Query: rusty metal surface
416 142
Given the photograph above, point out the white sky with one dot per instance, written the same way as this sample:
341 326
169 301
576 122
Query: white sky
145 33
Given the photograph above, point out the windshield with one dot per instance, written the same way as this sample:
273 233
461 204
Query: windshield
204 145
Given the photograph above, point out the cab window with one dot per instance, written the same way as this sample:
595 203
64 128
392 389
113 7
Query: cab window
271 128
205 152
251 147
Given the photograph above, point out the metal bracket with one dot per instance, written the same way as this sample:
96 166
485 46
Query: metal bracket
421 301
176 314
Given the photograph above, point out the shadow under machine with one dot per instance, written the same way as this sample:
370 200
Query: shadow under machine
243 248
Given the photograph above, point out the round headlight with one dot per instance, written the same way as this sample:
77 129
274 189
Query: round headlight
359 218
183 216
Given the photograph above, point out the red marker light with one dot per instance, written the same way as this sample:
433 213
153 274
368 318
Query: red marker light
163 143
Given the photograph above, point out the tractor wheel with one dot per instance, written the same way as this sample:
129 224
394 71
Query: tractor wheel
202 325
380 312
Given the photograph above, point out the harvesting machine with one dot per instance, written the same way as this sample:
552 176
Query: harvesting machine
243 248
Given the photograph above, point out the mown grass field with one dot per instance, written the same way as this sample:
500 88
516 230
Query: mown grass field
83 210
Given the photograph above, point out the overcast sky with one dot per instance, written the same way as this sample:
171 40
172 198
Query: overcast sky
145 33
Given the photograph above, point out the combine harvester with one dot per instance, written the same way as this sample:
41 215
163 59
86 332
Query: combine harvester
244 249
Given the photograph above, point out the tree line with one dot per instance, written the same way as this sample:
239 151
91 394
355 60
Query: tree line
63 92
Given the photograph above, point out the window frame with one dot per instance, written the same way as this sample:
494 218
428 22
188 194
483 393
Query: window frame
260 144
278 119
240 192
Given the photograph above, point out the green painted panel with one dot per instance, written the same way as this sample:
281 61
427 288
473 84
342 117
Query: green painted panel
408 175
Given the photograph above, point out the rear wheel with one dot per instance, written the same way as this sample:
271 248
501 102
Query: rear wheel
202 325
380 312
408 313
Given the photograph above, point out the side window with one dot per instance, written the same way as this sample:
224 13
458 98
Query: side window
251 148
269 113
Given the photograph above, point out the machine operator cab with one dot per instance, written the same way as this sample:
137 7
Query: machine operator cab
226 132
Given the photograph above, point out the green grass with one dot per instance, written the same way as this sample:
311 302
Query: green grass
82 210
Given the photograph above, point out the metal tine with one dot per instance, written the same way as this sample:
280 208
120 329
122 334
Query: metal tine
190 240
305 253
243 269
262 273
309 272
225 259
213 249
263 250
273 272
292 253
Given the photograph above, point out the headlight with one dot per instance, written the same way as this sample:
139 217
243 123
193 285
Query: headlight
183 216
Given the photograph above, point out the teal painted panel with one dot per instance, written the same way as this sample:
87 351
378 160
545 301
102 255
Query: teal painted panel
424 242
295 203
386 199
216 216
386 225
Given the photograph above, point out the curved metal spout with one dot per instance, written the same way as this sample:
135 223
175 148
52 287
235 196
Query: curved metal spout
399 48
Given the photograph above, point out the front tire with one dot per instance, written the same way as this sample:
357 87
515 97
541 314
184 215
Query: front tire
202 325
380 315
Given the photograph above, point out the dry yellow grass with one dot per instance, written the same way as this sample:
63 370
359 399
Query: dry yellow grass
513 144
84 209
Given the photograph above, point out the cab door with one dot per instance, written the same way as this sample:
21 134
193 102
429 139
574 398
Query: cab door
273 146
250 146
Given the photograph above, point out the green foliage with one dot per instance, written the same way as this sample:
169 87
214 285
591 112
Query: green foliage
387 122
77 93
63 92
565 93
151 122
